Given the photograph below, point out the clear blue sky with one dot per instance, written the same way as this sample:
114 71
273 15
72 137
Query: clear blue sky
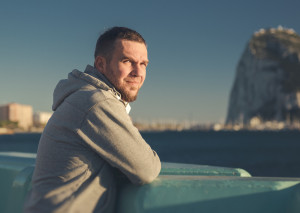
194 47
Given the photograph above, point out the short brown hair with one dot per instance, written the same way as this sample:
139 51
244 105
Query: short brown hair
105 43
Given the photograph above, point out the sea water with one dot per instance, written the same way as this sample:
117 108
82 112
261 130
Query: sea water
261 153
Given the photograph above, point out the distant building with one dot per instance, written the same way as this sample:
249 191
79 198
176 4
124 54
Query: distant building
41 118
22 114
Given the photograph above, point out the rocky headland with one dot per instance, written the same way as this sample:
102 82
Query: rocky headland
267 82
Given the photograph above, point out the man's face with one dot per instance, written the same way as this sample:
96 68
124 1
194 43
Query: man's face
127 68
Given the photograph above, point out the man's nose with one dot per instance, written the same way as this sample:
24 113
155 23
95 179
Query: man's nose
138 70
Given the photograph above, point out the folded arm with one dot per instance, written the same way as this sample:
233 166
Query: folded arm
109 131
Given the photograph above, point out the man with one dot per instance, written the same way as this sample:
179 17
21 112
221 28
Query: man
90 136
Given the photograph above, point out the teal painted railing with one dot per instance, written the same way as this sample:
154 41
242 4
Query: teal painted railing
179 188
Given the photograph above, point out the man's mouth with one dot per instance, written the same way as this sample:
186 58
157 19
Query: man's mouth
133 82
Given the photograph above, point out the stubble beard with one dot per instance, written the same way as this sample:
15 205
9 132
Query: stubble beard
126 94
123 89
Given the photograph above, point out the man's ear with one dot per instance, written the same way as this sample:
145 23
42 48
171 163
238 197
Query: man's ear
100 63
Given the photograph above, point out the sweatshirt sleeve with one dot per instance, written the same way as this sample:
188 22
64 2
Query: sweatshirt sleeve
109 131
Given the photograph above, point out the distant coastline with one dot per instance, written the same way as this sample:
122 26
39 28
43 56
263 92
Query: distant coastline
184 126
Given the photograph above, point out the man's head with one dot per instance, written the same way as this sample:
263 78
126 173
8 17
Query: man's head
121 55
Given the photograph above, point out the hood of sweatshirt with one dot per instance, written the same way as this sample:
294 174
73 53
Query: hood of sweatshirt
80 80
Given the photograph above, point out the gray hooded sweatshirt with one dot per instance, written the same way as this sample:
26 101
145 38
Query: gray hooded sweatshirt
89 136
